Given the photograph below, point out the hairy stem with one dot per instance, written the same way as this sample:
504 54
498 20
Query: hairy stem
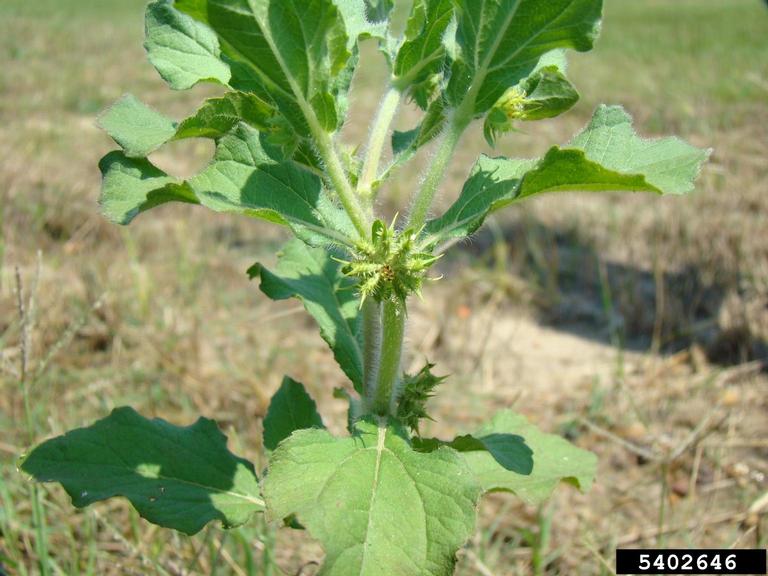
371 345
422 203
392 334
339 179
378 137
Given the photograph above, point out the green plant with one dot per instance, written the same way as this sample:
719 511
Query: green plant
384 499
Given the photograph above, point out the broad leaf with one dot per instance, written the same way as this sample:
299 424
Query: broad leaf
606 156
670 164
554 460
377 506
508 450
182 50
140 130
218 116
502 41
137 128
290 49
291 409
244 179
312 276
131 186
421 56
176 477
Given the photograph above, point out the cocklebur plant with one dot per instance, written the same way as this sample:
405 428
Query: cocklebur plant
382 500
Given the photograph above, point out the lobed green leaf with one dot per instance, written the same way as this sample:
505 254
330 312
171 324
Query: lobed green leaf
501 42
288 49
290 409
184 51
421 56
176 477
508 450
131 186
606 156
140 130
218 116
670 164
555 460
377 506
243 178
137 128
315 278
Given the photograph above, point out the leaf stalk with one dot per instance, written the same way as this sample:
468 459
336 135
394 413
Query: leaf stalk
388 108
434 176
339 179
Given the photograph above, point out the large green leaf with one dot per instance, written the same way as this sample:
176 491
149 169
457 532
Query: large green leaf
668 164
137 128
315 278
606 156
554 460
290 49
131 186
176 477
291 409
182 50
502 41
421 55
243 178
377 506
508 450
218 116
140 130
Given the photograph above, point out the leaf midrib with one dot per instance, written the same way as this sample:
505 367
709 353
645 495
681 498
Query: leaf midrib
306 108
484 70
381 438
320 272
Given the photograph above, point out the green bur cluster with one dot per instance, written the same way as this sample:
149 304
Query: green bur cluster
416 392
382 500
388 266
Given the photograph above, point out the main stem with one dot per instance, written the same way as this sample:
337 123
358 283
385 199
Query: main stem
378 137
371 345
382 398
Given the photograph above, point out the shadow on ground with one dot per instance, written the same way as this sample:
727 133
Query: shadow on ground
579 291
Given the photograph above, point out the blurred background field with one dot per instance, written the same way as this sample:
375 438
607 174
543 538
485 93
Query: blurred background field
635 325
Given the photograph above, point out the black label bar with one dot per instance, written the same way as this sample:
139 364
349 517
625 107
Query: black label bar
680 561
